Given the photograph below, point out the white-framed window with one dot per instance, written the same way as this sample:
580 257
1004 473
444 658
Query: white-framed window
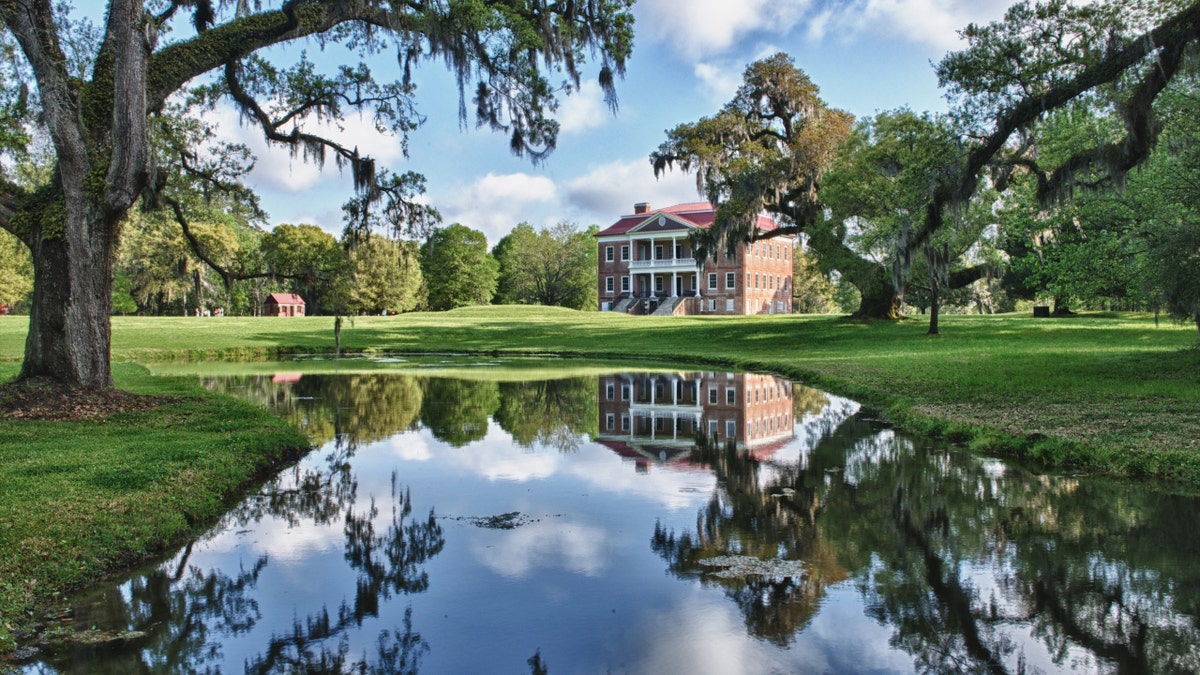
730 396
712 395
624 284
729 305
712 305
730 280
756 280
625 252
624 392
624 422
610 422
608 284
605 306
658 252
785 253
658 284
730 428
608 253
712 428
610 391
712 281
693 282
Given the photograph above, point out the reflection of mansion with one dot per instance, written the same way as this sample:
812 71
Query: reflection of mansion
646 266
656 417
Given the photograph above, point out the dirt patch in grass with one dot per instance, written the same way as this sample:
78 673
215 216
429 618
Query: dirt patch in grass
51 401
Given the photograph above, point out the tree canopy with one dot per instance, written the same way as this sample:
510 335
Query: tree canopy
98 93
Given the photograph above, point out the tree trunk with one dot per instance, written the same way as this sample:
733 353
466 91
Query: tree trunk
69 328
874 283
934 303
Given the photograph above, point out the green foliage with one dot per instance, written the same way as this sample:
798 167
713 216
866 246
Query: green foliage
384 275
16 270
311 259
458 269
813 292
122 301
553 266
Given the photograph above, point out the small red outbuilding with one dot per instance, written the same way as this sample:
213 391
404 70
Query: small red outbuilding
283 304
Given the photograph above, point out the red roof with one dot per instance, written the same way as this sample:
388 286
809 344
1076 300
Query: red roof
700 214
286 299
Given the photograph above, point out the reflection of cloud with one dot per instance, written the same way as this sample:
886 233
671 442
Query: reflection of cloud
497 457
543 545
412 447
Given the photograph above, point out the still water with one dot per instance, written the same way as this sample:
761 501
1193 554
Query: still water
646 522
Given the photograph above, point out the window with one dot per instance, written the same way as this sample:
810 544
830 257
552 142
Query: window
729 280
756 279
712 395
624 422
658 284
729 305
730 396
693 282
605 306
712 281
658 252
678 251
730 429
624 392
712 305
608 283
608 253
625 284
785 253
625 252
610 391
609 422
712 428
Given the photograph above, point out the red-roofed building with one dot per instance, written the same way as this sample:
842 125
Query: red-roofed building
283 304
646 266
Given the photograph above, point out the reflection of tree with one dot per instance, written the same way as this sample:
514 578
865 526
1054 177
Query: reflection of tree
356 408
457 411
806 400
554 413
388 563
175 614
976 564
748 518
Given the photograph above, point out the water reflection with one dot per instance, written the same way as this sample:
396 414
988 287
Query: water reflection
798 534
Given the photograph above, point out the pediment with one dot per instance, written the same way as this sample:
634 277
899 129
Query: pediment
662 222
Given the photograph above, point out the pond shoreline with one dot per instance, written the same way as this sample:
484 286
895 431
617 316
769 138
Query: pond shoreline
874 372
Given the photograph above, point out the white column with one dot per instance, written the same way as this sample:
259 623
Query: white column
674 281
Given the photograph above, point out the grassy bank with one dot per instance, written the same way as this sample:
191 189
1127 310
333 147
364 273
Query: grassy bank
81 499
1114 394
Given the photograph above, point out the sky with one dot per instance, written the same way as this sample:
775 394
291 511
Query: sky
866 56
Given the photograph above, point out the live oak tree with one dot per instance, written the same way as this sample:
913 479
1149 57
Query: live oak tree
1117 56
769 149
98 89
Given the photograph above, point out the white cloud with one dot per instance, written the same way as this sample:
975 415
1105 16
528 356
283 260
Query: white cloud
931 22
612 189
277 169
583 110
494 204
701 27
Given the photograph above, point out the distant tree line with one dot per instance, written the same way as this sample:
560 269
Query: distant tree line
158 271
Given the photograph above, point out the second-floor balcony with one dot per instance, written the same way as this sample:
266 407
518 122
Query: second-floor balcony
662 262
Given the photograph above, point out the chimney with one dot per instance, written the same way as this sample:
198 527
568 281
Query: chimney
641 207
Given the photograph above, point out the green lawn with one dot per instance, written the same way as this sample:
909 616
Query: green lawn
1104 393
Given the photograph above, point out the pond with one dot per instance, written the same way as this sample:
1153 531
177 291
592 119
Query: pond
493 517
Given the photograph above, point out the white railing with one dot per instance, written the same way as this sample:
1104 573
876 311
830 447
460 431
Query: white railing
664 262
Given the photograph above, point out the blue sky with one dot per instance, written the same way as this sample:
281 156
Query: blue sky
865 55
